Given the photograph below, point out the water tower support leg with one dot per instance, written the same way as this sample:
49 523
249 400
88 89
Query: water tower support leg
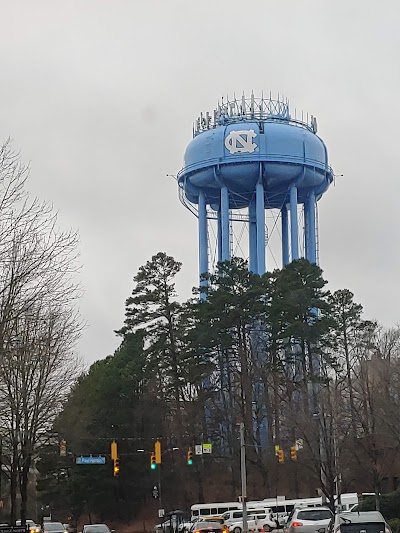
294 223
203 241
306 231
225 224
253 266
285 236
311 237
219 236
260 218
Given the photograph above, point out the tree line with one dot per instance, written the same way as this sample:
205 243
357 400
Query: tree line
297 364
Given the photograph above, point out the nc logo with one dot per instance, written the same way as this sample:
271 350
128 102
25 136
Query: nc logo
241 142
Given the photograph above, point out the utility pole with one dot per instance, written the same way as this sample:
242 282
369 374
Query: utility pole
243 476
1 468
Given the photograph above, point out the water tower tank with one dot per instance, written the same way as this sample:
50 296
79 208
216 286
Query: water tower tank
252 154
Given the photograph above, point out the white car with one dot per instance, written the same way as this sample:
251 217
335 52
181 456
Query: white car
33 528
96 528
236 515
187 526
53 527
259 523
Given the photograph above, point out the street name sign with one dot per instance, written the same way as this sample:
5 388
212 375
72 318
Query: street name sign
13 529
90 460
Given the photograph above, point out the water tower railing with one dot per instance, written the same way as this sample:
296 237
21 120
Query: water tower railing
250 110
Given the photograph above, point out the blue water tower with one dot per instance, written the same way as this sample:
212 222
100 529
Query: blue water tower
251 155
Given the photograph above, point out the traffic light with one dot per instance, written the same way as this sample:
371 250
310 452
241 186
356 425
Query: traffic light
114 450
116 467
157 451
281 456
153 463
293 453
189 457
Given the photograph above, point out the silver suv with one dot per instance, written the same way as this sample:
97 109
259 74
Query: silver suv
308 520
360 522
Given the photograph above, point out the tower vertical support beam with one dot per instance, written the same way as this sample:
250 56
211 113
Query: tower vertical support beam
294 223
310 224
203 241
253 263
225 248
260 222
306 231
285 236
219 235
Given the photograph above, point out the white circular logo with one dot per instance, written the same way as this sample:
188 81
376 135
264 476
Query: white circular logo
241 142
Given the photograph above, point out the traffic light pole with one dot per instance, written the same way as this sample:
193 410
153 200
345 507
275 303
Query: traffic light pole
159 488
243 476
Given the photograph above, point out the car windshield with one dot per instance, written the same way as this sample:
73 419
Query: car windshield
97 528
315 514
53 526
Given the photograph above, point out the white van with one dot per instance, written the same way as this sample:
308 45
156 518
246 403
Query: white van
237 515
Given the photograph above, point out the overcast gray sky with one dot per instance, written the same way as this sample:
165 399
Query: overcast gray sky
100 97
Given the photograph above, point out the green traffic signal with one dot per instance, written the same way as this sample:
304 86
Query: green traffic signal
189 460
153 463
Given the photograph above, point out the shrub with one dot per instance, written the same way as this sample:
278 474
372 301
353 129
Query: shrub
389 506
394 524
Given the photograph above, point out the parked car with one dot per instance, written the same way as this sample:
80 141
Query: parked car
357 522
267 524
262 523
308 520
236 515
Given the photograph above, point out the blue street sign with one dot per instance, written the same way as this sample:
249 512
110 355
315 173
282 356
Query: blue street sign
89 460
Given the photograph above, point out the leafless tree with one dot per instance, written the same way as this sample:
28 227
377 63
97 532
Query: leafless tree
38 323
